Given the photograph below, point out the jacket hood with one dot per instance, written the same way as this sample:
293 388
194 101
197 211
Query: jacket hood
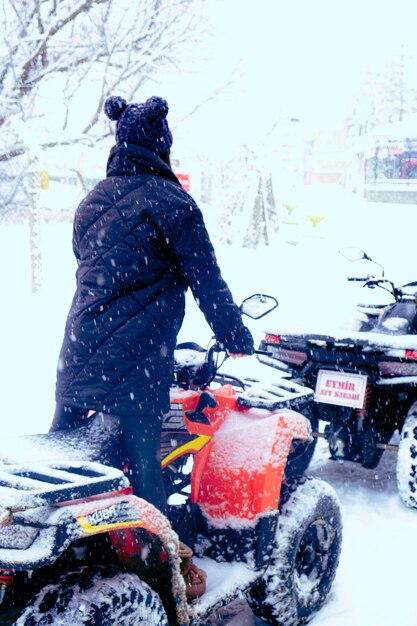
132 160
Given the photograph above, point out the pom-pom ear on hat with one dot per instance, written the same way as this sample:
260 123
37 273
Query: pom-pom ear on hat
157 108
114 107
143 124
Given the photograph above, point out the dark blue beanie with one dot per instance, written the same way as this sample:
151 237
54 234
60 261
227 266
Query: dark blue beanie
144 124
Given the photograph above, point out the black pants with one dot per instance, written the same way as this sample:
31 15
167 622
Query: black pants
141 440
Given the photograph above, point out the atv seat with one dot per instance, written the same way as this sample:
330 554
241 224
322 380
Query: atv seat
96 440
57 467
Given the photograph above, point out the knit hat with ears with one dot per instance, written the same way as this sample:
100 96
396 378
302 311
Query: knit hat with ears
143 124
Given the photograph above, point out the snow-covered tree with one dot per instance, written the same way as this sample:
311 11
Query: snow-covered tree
52 52
388 94
243 194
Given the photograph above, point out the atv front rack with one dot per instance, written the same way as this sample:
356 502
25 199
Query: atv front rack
282 393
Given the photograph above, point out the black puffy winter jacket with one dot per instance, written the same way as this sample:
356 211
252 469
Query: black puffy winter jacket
140 241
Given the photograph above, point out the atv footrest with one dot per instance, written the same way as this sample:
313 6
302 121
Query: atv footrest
282 393
224 582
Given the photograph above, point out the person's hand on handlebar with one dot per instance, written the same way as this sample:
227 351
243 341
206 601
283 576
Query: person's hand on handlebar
238 342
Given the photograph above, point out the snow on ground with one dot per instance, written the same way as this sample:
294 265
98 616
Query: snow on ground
375 581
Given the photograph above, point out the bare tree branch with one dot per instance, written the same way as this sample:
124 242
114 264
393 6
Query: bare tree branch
212 96
58 54
40 52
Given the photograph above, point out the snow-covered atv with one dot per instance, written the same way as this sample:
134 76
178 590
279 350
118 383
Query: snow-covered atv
365 380
77 548
398 316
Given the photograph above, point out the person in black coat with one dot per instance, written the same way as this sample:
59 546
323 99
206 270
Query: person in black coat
140 242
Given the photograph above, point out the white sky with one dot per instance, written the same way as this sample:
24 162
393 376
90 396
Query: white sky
298 58
287 58
308 54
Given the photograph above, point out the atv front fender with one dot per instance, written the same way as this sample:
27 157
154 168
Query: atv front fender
244 465
122 516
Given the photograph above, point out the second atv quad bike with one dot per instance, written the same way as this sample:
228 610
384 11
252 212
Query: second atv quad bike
365 381
77 548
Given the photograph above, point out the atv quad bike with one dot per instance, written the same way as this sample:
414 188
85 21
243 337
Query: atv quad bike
365 380
76 547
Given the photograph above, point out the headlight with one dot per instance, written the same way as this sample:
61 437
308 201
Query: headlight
17 536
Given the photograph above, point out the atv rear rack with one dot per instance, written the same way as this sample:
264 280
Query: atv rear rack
24 486
282 393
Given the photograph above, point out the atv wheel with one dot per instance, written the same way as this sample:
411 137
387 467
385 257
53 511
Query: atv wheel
304 558
95 595
301 452
407 462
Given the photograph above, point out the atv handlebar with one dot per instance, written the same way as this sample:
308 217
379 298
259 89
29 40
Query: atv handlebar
356 254
392 289
359 279
218 347
201 373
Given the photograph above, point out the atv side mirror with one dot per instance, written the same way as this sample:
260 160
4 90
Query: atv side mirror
357 254
354 254
258 305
